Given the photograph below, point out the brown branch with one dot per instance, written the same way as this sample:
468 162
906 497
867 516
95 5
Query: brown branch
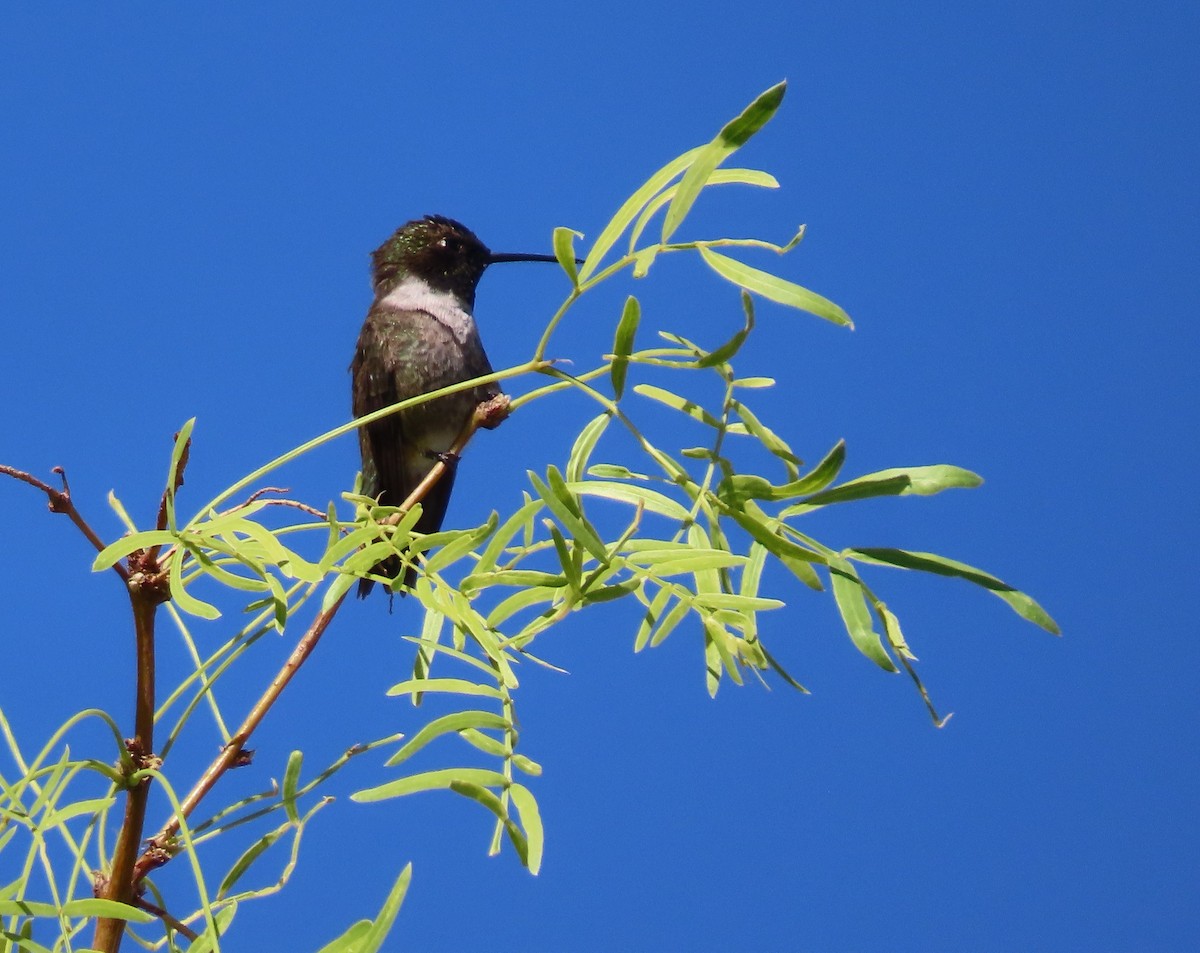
177 925
145 595
60 502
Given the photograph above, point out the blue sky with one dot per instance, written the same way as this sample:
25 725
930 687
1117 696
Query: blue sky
1006 202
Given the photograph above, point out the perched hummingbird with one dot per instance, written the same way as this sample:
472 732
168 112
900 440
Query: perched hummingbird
420 336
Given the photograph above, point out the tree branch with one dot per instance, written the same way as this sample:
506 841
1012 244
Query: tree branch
60 502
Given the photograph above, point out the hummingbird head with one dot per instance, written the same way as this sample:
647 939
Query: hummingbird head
440 251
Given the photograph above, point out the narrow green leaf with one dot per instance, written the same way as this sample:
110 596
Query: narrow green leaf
579 528
629 210
631 316
291 780
672 619
460 546
115 551
634 495
585 443
522 763
180 595
512 577
442 779
367 936
653 611
754 382
181 442
675 402
447 724
558 486
896 481
63 814
669 562
852 604
733 136
1021 603
95 907
718 177
337 591
521 519
734 344
774 288
860 489
247 859
564 251
730 600
770 440
531 821
485 743
453 686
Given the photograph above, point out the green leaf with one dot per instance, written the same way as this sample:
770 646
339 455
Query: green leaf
461 545
734 344
493 803
512 577
177 451
677 614
579 528
631 316
453 686
531 820
521 519
180 595
634 495
669 562
773 443
796 558
585 443
485 743
860 489
719 177
895 481
367 936
754 382
442 779
337 591
774 288
852 604
653 611
1022 604
454 722
63 814
730 600
564 251
732 137
291 780
629 210
247 859
675 402
110 554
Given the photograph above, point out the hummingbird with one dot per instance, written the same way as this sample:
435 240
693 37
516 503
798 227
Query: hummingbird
420 336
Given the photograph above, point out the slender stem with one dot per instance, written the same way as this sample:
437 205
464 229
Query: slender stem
60 502
120 883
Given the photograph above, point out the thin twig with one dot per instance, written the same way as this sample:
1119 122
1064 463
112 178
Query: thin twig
60 502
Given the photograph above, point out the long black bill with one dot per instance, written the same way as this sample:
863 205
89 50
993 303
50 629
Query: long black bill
493 258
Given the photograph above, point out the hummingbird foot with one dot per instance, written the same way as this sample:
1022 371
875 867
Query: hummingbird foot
492 412
448 457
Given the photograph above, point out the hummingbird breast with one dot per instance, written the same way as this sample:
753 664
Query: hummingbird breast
415 340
